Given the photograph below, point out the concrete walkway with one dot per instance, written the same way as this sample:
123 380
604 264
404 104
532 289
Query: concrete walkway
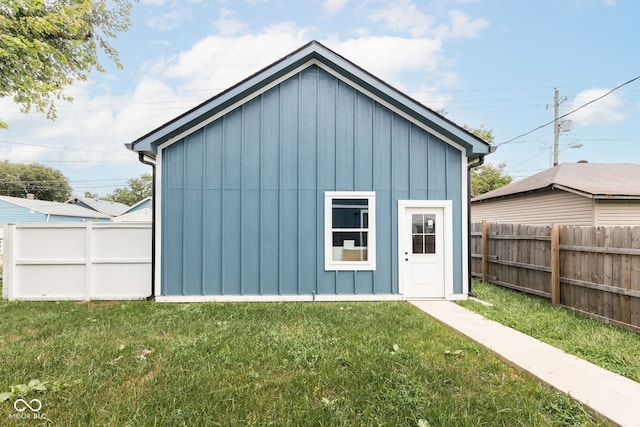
612 396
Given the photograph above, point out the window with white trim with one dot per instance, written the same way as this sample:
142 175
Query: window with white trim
350 235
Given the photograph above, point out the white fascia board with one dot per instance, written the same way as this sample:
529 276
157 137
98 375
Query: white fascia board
295 71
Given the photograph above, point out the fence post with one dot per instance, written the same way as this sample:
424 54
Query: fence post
555 264
485 248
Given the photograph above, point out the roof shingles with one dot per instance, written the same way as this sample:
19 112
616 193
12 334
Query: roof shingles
597 180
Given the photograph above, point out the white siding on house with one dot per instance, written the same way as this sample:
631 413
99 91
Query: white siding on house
618 212
554 206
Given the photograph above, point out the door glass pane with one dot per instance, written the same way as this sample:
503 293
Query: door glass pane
418 244
417 223
423 234
430 244
430 224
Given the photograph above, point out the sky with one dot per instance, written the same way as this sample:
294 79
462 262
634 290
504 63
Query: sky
484 63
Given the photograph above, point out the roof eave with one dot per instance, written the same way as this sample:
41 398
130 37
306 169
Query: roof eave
147 144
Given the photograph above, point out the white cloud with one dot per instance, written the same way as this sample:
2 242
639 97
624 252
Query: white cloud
403 16
168 21
432 97
92 128
462 26
175 14
227 25
172 85
217 62
332 7
387 57
606 111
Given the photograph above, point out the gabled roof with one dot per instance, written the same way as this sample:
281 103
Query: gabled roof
593 180
296 61
54 208
106 207
142 204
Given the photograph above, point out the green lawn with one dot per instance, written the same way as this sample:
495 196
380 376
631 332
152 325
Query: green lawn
142 363
611 347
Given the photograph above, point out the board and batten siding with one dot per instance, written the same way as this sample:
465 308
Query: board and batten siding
618 212
554 206
243 197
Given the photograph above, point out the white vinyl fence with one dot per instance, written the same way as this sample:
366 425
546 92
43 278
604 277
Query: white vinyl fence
77 261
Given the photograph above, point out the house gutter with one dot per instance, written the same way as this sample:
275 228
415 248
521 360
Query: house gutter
477 162
141 157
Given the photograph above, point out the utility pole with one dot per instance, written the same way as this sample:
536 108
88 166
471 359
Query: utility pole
556 127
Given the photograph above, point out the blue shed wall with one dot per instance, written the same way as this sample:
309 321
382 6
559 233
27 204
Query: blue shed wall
144 205
10 212
243 197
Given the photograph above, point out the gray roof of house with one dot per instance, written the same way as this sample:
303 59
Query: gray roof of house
313 51
106 207
54 208
594 180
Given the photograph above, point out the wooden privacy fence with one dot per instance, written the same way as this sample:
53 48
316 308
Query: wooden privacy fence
591 270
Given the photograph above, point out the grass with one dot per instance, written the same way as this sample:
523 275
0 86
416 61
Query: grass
611 347
286 364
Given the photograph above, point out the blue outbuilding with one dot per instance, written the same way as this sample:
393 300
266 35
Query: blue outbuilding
17 209
310 180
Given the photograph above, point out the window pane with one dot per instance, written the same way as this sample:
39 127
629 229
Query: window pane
350 213
423 234
430 244
348 202
350 246
350 238
418 244
417 223
430 224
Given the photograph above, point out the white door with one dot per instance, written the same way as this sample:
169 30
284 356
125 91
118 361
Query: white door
422 252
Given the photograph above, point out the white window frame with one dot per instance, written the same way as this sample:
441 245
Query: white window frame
329 263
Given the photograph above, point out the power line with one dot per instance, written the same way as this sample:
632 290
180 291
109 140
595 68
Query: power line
74 161
570 112
59 147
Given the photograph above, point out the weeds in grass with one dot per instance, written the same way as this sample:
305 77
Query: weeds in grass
142 363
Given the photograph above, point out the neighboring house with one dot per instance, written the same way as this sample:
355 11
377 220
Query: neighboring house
140 212
310 180
106 207
589 194
15 209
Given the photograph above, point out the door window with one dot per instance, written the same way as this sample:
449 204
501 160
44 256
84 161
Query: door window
423 234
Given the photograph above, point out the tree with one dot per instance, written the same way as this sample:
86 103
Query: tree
138 189
46 45
487 177
484 134
45 183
